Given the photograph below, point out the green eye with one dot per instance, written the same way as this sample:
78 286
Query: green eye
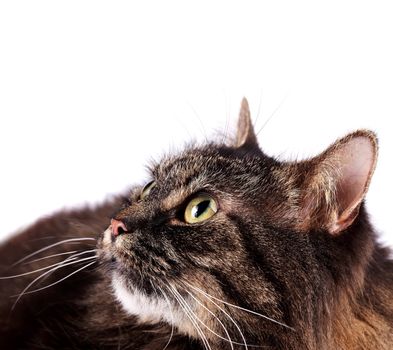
146 190
200 209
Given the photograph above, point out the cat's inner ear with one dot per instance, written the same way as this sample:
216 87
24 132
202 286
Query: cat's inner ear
337 181
245 136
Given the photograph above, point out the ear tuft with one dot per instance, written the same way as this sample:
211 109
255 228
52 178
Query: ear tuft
245 131
338 181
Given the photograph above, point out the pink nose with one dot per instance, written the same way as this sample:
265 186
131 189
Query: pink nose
118 227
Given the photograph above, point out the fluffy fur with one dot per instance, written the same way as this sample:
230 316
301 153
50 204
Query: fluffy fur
289 261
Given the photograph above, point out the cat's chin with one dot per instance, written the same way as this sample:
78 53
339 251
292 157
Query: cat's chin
151 309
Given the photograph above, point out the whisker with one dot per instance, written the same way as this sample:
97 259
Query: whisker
225 329
64 278
186 313
229 316
41 276
53 245
172 318
73 257
199 119
240 308
84 252
50 237
38 270
259 109
273 114
49 256
70 258
228 117
194 323
229 339
179 121
192 316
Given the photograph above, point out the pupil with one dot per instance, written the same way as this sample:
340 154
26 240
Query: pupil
146 188
201 208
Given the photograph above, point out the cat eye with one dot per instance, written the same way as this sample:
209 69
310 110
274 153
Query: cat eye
146 190
200 209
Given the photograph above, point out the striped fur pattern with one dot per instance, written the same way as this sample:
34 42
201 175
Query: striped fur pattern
290 260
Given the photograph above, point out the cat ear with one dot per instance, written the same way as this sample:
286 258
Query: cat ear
245 131
337 181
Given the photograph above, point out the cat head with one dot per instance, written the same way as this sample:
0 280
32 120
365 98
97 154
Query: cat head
224 239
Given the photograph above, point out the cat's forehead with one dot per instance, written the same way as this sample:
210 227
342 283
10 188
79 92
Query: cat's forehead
208 164
191 162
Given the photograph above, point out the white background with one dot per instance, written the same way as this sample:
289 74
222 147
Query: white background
91 90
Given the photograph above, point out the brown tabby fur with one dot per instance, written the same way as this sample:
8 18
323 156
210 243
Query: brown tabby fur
270 248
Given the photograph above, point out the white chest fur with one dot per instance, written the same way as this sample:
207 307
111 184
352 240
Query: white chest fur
150 309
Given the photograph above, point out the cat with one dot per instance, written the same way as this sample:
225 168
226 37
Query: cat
224 248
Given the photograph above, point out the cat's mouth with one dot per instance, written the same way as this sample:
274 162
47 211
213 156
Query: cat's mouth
122 256
151 298
119 258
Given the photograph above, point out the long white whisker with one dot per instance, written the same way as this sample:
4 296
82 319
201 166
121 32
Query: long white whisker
64 278
53 245
38 270
50 256
194 323
41 276
172 318
192 314
70 258
225 313
225 329
73 257
240 308
229 339
187 314
84 252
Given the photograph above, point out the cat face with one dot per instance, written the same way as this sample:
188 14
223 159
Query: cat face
188 227
223 236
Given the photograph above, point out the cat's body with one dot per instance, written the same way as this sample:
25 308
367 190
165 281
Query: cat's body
225 247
